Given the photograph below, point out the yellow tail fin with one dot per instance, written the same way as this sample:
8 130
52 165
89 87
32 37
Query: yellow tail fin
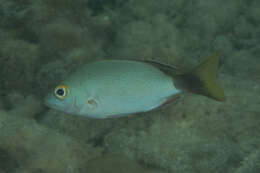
203 79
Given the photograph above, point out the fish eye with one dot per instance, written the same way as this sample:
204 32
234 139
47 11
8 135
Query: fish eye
61 92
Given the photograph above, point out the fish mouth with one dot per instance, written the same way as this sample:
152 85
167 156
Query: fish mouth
49 103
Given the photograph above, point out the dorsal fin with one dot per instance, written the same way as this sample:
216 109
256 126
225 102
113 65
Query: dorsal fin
171 70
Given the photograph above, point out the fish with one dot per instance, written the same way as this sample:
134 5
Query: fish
116 88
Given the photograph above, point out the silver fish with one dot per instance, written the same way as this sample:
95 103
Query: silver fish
110 88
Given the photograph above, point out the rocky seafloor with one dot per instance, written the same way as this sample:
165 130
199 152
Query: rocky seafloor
42 41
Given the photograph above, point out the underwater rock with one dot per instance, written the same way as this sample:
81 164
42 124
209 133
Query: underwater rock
25 106
32 147
18 64
116 163
41 41
7 162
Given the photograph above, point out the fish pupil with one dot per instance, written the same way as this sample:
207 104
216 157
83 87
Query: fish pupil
60 92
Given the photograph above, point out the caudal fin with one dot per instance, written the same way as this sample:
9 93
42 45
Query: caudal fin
202 79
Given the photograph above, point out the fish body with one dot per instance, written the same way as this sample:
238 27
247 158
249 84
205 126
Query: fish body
110 88
115 87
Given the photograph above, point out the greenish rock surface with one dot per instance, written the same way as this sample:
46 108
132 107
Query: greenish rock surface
42 41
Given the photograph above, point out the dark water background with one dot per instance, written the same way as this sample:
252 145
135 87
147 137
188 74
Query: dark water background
41 41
